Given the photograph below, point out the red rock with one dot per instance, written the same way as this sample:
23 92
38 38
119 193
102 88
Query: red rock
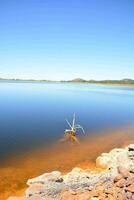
129 195
84 196
102 196
99 189
35 197
123 171
120 196
72 192
130 188
121 183
109 190
110 197
66 195
129 181
117 178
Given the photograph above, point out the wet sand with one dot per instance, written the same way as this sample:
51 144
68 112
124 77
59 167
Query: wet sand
16 171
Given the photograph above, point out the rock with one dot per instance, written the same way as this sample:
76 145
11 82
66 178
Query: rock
72 192
131 169
94 198
130 147
47 177
77 170
123 171
132 197
130 188
128 195
35 197
108 191
113 159
123 160
60 180
99 189
36 188
103 162
89 188
120 196
121 183
114 182
130 180
118 177
83 196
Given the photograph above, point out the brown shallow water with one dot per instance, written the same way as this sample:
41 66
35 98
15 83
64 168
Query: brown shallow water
15 172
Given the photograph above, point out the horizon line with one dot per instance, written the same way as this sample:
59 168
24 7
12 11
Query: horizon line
33 79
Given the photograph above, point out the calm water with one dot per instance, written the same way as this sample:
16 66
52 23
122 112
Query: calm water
33 114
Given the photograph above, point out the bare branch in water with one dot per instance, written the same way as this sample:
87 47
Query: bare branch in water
71 134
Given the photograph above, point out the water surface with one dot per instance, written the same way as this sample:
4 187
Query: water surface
33 114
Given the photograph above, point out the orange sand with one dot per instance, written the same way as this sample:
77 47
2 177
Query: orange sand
14 175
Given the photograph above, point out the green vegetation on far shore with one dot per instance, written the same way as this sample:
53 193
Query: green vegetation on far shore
108 82
79 80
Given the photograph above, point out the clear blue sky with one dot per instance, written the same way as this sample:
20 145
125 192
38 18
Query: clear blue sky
64 39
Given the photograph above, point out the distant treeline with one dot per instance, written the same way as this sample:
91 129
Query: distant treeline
24 80
123 81
77 80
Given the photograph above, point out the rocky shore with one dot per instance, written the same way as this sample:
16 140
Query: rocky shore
114 180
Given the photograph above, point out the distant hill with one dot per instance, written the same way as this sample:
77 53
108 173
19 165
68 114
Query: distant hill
123 81
77 80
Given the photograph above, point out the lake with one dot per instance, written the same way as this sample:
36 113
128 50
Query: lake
33 114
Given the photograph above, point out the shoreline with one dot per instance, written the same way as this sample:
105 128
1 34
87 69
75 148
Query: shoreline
69 82
61 158
113 179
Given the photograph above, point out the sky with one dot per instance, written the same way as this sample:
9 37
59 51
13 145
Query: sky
62 40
